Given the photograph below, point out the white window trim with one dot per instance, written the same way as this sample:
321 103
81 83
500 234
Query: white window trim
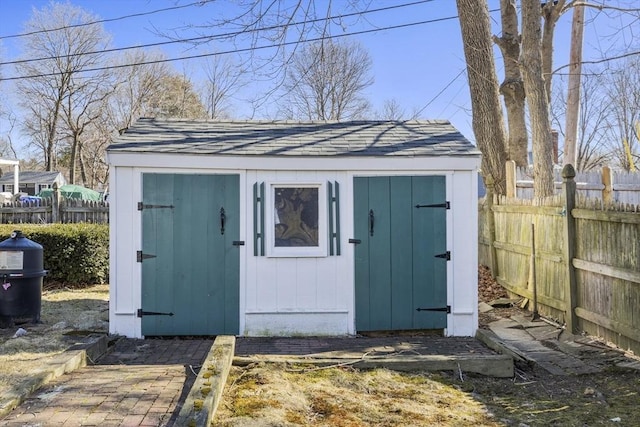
296 251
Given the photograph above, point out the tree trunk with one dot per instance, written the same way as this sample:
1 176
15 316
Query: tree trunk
570 152
512 88
487 119
551 12
83 171
72 159
52 130
537 100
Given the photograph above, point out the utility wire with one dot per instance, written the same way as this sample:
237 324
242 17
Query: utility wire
415 116
205 55
218 36
101 21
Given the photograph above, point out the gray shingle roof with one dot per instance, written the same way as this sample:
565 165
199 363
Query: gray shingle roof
30 177
263 138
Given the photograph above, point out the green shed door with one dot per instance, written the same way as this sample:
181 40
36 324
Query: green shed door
190 266
400 262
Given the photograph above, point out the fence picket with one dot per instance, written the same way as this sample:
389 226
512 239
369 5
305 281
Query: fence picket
44 211
608 185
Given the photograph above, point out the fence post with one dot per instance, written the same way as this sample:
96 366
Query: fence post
510 175
607 181
492 224
55 203
569 190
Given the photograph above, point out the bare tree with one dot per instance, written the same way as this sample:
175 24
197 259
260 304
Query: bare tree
84 104
93 160
176 98
63 50
223 79
7 148
326 81
392 110
512 87
136 87
593 152
487 121
624 121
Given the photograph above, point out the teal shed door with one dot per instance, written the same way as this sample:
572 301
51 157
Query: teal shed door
400 260
190 265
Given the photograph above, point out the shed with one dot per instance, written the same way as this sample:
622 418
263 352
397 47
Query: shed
260 228
31 182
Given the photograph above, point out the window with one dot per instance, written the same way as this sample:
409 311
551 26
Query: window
298 218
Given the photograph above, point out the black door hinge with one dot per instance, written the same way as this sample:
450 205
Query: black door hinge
140 256
355 241
446 309
142 206
141 313
446 255
238 243
445 205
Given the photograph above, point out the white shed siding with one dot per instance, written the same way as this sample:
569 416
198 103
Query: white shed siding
294 296
289 295
125 297
462 272
307 295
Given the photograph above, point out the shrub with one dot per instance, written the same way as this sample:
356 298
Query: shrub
74 254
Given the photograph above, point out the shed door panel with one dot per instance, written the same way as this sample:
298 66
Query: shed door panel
396 269
195 271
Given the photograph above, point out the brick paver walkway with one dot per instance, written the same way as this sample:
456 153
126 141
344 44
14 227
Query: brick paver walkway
139 383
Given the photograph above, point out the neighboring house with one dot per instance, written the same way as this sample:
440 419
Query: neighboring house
286 228
31 182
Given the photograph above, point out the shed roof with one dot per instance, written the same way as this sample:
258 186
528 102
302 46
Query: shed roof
270 138
27 177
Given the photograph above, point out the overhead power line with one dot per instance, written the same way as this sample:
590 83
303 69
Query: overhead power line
415 116
247 49
101 21
219 36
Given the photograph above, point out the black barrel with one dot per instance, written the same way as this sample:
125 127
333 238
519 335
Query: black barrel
21 273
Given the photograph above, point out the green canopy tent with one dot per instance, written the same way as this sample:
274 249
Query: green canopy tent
71 191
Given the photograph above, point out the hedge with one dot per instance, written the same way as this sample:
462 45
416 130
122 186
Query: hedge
74 254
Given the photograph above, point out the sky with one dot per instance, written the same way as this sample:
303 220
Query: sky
421 66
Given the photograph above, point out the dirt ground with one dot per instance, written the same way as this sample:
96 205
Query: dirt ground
285 395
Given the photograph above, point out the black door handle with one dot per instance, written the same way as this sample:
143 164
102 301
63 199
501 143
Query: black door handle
372 221
223 219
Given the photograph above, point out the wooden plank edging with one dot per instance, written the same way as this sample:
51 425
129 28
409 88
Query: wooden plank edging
204 397
500 366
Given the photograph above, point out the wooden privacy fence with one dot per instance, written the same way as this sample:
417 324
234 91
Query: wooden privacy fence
586 268
52 210
606 184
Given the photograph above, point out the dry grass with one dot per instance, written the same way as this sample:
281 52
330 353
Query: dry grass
284 395
66 316
265 395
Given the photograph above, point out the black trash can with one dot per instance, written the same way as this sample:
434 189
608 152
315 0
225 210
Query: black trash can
21 273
